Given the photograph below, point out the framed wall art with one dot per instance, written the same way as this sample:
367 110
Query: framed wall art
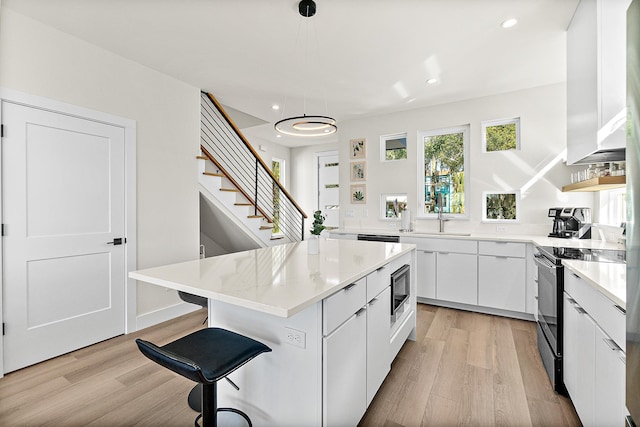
358 148
358 171
358 193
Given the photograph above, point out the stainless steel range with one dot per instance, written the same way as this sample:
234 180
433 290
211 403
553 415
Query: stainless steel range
550 312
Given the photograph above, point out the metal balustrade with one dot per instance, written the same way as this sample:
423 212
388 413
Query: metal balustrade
223 143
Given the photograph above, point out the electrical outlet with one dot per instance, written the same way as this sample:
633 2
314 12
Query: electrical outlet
393 225
500 229
349 213
295 337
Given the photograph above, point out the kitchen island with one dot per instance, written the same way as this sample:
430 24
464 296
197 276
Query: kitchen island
325 316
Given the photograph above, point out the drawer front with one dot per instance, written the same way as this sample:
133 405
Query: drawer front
443 245
602 310
399 262
377 281
509 249
343 304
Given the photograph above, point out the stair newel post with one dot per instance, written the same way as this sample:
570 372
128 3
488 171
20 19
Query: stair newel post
256 190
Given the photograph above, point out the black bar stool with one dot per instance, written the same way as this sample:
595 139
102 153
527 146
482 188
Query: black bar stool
206 356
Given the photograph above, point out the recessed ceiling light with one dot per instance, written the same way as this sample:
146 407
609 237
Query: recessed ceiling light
432 80
275 107
509 23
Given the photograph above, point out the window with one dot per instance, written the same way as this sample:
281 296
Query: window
613 207
501 206
392 205
277 167
501 135
444 165
393 147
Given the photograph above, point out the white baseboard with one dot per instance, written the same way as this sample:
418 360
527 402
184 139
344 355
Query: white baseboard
164 314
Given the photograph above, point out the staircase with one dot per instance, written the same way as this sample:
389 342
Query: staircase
236 180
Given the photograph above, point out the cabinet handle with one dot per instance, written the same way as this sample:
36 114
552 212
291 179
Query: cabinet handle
575 275
373 301
537 297
443 253
579 309
349 287
361 312
501 257
427 252
620 309
501 243
611 343
381 268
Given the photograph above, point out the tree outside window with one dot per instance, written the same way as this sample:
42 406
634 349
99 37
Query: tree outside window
444 164
501 135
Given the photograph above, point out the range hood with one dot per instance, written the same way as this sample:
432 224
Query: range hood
611 140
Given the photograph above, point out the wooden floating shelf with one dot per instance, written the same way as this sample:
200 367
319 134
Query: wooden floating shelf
597 184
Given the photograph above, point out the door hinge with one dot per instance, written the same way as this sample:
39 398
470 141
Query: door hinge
1 131
3 325
1 230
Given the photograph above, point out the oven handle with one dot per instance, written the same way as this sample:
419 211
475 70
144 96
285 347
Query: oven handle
544 262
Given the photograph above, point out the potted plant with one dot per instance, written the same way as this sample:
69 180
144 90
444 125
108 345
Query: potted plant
316 229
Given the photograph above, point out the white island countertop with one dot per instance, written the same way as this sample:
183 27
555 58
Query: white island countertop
279 280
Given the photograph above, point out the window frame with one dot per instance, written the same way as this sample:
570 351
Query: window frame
383 205
499 122
466 131
485 219
383 146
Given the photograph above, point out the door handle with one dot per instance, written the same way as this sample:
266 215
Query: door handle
118 241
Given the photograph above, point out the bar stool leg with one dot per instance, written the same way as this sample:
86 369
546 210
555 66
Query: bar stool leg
209 405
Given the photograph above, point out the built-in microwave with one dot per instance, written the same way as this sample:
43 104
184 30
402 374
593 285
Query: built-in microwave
400 290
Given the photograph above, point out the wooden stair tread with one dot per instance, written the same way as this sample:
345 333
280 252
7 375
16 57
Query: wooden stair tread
201 157
232 190
255 216
266 227
242 204
277 237
221 175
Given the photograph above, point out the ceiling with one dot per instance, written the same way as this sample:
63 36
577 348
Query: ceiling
363 57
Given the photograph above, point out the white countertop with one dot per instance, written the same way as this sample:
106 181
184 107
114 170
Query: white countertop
280 280
538 240
607 278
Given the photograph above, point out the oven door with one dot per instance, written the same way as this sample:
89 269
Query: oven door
550 288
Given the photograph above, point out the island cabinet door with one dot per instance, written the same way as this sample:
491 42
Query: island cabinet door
378 347
344 372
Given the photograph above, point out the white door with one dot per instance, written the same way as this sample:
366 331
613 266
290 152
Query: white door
63 206
328 189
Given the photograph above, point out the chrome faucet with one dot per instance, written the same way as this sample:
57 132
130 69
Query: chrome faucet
441 218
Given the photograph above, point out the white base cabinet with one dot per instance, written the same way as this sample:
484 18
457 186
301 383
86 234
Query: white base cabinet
378 365
594 364
609 399
344 374
426 274
501 282
457 278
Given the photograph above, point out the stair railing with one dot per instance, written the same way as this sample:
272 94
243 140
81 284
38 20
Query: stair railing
223 143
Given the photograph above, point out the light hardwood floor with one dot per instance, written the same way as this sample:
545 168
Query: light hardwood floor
464 369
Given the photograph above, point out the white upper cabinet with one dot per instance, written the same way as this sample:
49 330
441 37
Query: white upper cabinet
596 70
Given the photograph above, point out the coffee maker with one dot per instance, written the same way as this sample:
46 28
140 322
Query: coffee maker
571 223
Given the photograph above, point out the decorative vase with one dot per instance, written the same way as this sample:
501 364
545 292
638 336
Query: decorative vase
313 245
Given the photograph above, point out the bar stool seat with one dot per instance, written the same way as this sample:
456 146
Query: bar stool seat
206 356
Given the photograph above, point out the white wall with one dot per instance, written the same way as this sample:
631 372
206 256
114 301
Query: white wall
39 60
542 112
